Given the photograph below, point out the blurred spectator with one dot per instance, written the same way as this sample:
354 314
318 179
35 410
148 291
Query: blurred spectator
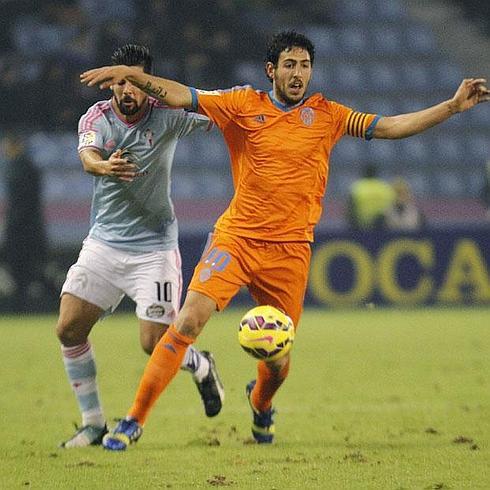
404 213
25 237
369 200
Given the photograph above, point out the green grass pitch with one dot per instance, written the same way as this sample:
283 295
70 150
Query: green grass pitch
376 399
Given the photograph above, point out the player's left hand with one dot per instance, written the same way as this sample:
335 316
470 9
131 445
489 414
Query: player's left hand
472 91
105 76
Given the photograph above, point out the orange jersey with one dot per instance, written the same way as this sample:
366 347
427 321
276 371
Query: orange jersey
279 159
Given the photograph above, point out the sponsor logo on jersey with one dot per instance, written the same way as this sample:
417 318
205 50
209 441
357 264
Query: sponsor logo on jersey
87 138
155 311
307 115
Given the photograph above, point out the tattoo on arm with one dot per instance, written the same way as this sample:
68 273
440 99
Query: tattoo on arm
158 92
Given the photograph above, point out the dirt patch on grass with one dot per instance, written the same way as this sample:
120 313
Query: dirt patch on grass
356 457
219 481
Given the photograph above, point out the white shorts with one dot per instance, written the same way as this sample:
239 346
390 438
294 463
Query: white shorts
102 276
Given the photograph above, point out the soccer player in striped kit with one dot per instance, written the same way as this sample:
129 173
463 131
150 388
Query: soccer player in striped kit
280 144
128 143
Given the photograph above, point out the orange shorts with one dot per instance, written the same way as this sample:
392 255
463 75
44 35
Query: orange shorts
276 273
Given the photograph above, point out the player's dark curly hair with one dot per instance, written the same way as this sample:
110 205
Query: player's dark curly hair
133 55
284 41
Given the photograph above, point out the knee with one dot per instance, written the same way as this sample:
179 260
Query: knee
149 339
190 323
148 347
194 314
69 332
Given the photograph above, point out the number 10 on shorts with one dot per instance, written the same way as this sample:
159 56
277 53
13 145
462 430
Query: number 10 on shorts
164 290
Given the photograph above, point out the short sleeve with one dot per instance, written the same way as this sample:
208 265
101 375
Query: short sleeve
91 130
353 123
221 105
190 121
361 124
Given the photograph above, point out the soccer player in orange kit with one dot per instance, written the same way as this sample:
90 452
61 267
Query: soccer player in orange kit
279 144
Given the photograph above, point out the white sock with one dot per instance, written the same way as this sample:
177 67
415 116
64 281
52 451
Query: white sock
81 371
195 363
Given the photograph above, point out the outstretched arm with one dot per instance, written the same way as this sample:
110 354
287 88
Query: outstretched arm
471 92
169 92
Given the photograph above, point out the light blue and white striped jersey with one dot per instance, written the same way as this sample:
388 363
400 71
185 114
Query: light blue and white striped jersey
139 215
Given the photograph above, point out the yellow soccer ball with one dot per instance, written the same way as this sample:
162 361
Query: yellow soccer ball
266 333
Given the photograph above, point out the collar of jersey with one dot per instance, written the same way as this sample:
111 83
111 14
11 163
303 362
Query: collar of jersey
134 123
281 106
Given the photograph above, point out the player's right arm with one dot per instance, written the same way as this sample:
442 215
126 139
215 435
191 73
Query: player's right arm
115 166
169 92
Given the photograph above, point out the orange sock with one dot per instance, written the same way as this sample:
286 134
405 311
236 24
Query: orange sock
162 366
268 382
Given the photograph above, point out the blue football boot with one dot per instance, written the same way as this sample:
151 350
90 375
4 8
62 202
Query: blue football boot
263 425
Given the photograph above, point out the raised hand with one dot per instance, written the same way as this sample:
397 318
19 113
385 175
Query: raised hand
472 91
105 76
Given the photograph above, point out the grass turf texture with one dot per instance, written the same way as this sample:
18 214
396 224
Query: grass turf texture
382 399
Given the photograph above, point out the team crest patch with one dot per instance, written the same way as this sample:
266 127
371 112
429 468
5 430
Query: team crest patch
307 115
155 311
148 135
87 138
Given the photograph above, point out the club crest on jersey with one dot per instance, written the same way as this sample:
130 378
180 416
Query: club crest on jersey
307 115
148 135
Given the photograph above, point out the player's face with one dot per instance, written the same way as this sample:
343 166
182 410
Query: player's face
291 76
130 99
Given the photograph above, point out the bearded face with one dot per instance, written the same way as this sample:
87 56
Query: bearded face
291 76
130 100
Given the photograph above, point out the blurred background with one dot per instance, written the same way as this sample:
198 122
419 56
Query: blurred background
429 245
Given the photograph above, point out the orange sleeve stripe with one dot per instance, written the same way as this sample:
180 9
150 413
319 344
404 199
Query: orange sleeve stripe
357 123
354 121
360 124
349 123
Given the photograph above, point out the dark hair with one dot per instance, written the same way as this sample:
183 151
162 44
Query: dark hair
133 55
284 41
